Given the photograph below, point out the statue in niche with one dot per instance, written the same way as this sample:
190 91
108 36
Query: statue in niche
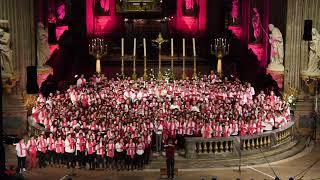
5 50
43 50
314 54
189 4
276 53
190 8
256 25
101 8
235 11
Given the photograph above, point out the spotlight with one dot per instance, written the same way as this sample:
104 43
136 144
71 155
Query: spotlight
75 76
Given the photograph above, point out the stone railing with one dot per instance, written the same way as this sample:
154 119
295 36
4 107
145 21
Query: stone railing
227 147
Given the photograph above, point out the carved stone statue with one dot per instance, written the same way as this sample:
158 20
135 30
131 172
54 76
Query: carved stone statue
276 53
235 10
314 54
43 51
5 50
256 24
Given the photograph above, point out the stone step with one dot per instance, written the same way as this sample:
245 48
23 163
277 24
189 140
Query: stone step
281 152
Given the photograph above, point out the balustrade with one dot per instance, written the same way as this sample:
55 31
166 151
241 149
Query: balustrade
198 146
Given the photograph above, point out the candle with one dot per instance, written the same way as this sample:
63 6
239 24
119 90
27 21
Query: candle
171 47
106 49
134 46
144 47
183 47
194 47
122 47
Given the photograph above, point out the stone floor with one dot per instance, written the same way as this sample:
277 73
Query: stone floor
284 169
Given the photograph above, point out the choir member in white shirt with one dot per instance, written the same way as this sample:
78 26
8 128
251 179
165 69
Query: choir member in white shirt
42 150
91 152
51 149
81 81
70 148
100 148
120 146
32 147
110 148
21 149
140 152
81 150
158 131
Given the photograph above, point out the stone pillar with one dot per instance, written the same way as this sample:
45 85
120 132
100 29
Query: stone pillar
14 114
294 32
303 115
190 144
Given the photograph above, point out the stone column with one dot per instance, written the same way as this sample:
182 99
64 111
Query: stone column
294 32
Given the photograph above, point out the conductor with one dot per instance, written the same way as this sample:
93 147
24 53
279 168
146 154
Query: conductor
170 150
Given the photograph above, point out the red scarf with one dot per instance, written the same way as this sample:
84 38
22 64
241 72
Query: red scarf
82 144
71 143
20 148
43 145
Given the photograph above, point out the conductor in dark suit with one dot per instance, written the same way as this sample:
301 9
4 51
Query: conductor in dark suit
170 150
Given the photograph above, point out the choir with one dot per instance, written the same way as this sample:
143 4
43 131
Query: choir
115 124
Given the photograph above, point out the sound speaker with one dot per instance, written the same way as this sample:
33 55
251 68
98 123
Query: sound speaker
307 35
32 84
52 36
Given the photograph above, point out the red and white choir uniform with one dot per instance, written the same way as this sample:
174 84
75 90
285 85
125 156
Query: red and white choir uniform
51 148
81 149
81 82
206 131
91 151
70 147
190 128
100 148
110 148
32 146
42 149
140 151
59 147
131 148
21 149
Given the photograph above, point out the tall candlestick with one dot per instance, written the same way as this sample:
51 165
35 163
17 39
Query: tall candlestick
144 47
194 47
183 47
122 47
134 46
171 47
